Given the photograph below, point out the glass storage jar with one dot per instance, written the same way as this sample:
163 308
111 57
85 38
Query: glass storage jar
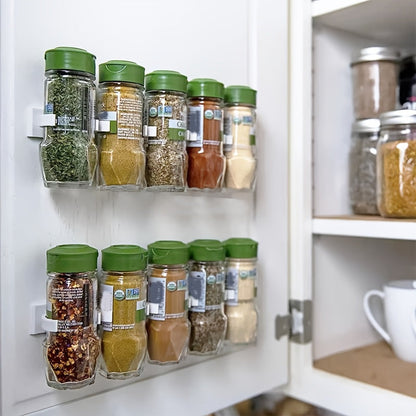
239 137
396 164
68 154
205 124
165 128
206 296
71 346
407 82
123 311
374 80
120 97
362 166
167 326
241 290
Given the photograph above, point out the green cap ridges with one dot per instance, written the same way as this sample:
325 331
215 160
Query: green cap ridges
205 87
162 80
240 248
240 94
71 258
124 258
74 59
168 252
206 250
122 71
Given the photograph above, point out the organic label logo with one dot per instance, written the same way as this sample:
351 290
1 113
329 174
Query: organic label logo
152 112
171 286
119 294
243 274
209 114
211 279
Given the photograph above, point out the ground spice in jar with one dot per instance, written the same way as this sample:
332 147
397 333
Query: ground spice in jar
204 146
242 323
168 326
123 313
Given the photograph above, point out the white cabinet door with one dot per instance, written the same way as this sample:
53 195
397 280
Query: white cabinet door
236 42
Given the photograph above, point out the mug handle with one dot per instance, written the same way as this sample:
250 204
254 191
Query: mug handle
370 317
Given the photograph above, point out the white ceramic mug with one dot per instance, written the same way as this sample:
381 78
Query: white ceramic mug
399 298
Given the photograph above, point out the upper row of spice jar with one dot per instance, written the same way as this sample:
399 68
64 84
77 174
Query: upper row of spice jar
155 131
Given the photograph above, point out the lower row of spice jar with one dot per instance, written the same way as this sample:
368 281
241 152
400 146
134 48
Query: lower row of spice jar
161 303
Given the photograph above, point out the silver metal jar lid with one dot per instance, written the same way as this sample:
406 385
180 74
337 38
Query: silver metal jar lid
392 118
376 53
368 125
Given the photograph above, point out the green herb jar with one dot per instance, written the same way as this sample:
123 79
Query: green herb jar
68 153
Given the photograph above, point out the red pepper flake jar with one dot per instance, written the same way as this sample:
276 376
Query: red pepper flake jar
204 146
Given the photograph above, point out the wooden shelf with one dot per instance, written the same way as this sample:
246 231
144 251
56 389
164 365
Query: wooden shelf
373 364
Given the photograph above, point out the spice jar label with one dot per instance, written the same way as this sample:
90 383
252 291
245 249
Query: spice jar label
176 130
106 305
197 290
156 295
195 126
231 287
140 311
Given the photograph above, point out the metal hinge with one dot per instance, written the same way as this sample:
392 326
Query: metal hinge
298 324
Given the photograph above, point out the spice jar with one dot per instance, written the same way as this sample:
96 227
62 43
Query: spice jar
407 82
241 290
168 326
362 162
239 137
68 154
396 164
123 311
204 146
120 108
206 296
165 128
374 79
71 347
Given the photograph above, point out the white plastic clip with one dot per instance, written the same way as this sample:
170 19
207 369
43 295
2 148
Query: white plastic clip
38 120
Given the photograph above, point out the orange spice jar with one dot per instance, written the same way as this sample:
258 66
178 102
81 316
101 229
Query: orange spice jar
204 146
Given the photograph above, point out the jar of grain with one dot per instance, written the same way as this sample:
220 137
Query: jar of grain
165 127
362 164
206 296
204 145
123 311
71 347
374 79
239 137
396 164
241 290
168 327
120 99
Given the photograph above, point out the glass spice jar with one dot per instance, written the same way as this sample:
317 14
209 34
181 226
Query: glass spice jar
123 311
204 146
241 290
239 137
120 98
68 154
167 326
165 128
396 164
374 79
71 346
362 166
206 296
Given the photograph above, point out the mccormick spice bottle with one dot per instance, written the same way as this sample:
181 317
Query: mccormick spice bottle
165 128
241 290
71 347
120 112
168 326
239 137
206 296
123 311
68 153
204 146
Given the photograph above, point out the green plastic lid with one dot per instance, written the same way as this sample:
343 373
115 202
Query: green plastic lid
168 252
240 248
207 250
123 71
240 94
165 80
205 87
124 258
74 59
71 258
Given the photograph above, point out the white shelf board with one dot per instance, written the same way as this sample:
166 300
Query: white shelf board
322 7
363 226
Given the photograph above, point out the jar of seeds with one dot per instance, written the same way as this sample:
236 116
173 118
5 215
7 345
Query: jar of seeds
71 347
68 154
165 128
206 296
